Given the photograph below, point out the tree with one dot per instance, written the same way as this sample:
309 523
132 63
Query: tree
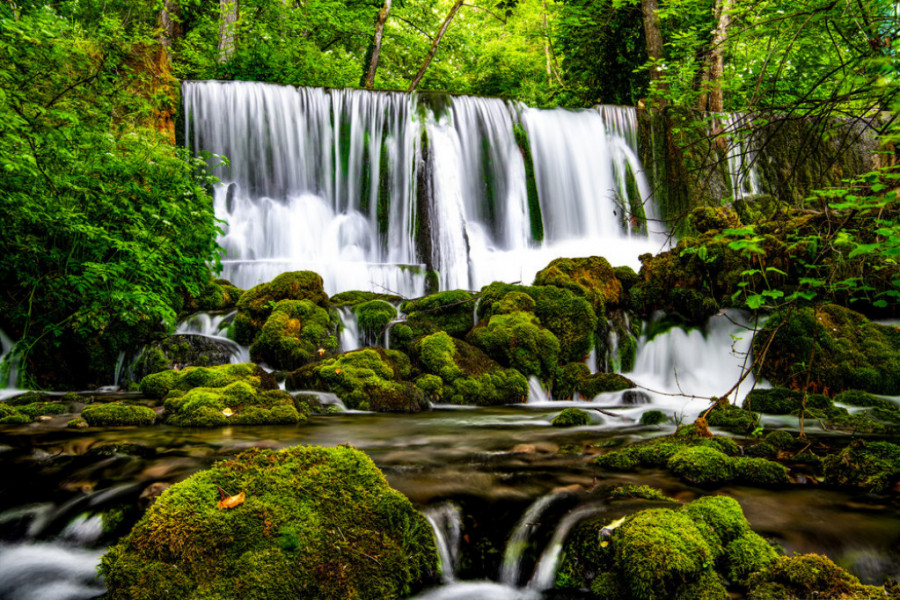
434 45
380 20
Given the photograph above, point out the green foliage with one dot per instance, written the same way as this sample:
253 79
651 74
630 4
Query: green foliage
571 417
105 224
748 554
115 414
311 523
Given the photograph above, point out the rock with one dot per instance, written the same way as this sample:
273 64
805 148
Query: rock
592 278
256 304
654 417
373 318
635 397
218 294
576 378
295 333
355 298
305 522
183 350
518 340
115 414
159 385
870 466
570 417
451 311
808 576
238 403
151 493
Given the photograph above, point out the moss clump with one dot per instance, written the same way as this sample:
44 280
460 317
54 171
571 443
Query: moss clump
27 398
702 465
571 417
314 523
713 218
296 333
373 318
517 340
783 440
654 417
77 423
217 294
577 378
449 311
808 576
850 351
39 409
567 315
592 278
159 385
760 471
256 304
367 379
354 298
748 554
115 414
468 374
732 418
238 403
10 415
871 466
780 401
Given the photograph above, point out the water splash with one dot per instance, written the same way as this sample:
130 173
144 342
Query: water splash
446 521
518 541
9 366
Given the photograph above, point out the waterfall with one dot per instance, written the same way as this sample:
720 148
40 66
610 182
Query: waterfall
545 572
518 541
212 326
9 366
350 330
446 521
327 180
536 392
742 157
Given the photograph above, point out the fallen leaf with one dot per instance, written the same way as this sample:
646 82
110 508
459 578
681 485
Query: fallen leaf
227 412
337 371
230 501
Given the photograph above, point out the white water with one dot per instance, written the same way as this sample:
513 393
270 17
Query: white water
446 521
518 541
213 326
536 392
350 332
742 157
10 364
545 572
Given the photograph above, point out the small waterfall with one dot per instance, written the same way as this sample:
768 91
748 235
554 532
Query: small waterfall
536 392
742 156
612 350
591 360
387 332
545 572
446 521
9 366
518 541
204 323
326 399
350 331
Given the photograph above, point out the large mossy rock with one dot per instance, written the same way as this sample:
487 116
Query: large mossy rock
159 385
451 311
373 318
516 338
356 297
870 466
115 414
832 347
576 378
297 332
183 350
238 403
218 294
256 304
313 523
592 278
467 375
367 379
808 576
567 315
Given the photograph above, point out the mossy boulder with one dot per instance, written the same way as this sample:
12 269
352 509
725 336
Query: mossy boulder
731 418
702 465
517 339
654 417
116 414
451 311
367 379
713 218
355 298
576 378
10 415
297 332
469 376
373 318
571 417
870 466
781 401
256 304
217 294
848 351
592 278
808 576
748 554
159 385
567 315
312 523
41 409
182 350
238 403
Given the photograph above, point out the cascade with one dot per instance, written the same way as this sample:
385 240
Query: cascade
350 330
545 572
446 521
329 180
9 366
518 541
742 158
213 326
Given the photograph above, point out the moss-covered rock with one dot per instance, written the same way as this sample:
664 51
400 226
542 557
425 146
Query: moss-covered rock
368 379
702 465
451 311
571 417
312 523
713 218
256 304
238 403
373 318
592 278
760 472
182 350
780 401
781 439
808 576
577 378
40 409
10 415
654 417
355 297
468 374
732 418
517 339
116 414
848 351
159 385
297 332
217 294
747 554
871 466
567 315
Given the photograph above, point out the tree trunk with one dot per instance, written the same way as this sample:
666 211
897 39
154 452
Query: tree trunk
717 58
434 45
653 33
228 15
376 50
169 26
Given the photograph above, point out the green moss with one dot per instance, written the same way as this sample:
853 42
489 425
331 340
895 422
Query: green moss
627 277
517 340
808 576
732 418
577 378
256 304
713 218
709 586
158 385
38 409
297 332
567 315
783 440
871 466
571 417
654 417
354 298
762 450
702 465
217 294
721 514
760 472
780 401
748 554
353 536
860 398
238 403
642 492
373 318
115 414
10 415
449 311
367 379
27 398
77 423
592 278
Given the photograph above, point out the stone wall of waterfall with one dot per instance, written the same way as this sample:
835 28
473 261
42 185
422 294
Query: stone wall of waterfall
374 189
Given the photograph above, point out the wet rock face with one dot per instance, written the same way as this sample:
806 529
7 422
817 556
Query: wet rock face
183 350
305 522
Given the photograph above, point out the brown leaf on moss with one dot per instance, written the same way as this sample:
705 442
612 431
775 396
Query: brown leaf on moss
230 501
